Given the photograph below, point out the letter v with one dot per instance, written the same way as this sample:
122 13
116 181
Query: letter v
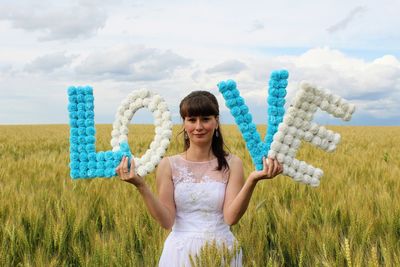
276 101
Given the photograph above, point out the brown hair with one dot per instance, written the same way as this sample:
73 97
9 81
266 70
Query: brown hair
203 103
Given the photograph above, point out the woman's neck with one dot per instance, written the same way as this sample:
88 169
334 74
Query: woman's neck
197 153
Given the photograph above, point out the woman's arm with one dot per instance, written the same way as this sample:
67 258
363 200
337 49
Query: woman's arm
162 208
238 192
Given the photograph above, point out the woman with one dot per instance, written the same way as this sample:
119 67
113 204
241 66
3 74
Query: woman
202 191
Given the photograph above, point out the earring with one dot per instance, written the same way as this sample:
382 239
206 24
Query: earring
216 133
185 135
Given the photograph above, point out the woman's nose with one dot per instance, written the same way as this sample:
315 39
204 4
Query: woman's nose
199 125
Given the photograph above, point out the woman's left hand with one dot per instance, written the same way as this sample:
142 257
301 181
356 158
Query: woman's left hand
271 169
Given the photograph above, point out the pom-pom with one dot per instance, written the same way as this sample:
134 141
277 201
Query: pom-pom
90 148
108 155
231 84
83 156
81 147
275 75
247 136
100 164
308 136
74 156
73 132
73 115
89 123
239 100
283 74
81 140
283 84
74 164
228 95
72 107
252 127
100 156
288 139
100 172
90 131
90 139
81 122
71 90
235 111
316 141
272 100
295 143
239 119
222 87
244 109
83 165
280 157
244 127
92 156
251 145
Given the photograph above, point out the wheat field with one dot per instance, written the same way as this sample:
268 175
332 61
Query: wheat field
48 219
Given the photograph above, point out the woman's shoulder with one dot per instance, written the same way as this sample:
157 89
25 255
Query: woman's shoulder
233 159
165 162
173 160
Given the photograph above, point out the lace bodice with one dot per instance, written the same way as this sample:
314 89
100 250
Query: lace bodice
185 171
199 192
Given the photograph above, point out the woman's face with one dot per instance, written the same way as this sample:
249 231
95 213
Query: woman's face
200 129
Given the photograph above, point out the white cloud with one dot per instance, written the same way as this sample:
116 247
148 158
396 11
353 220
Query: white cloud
54 20
372 85
166 46
131 63
4 68
229 67
49 62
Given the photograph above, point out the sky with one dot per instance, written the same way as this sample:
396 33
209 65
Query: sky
175 47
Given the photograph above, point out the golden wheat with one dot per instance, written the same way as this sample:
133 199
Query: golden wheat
48 219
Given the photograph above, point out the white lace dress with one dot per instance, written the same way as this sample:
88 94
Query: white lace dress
199 196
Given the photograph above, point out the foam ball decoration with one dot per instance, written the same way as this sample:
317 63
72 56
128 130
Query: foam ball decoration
163 129
276 101
84 161
298 117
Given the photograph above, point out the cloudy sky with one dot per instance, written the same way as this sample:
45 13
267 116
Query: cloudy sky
174 47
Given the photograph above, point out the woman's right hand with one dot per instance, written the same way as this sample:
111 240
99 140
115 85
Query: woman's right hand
127 175
271 169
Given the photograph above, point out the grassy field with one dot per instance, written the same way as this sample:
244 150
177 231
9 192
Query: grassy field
48 219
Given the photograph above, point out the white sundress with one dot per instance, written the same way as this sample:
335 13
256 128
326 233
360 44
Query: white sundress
199 192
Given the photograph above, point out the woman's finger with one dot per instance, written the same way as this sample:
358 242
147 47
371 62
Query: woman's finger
132 170
119 167
125 166
270 167
276 167
265 165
